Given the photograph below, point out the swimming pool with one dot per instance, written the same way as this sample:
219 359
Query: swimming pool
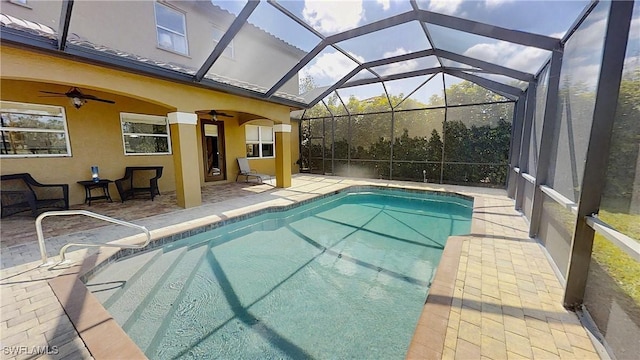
345 276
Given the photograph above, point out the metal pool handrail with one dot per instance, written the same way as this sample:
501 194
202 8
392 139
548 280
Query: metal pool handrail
43 250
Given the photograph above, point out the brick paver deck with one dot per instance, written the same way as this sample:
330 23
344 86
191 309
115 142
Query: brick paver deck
501 298
495 295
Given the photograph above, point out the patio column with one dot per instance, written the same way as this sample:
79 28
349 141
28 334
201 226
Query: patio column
184 142
283 155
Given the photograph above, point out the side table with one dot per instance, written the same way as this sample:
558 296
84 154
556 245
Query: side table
90 185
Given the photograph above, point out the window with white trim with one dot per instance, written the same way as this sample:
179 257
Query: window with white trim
217 35
145 134
33 130
171 29
260 141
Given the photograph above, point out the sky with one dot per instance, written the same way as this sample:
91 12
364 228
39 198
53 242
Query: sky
328 17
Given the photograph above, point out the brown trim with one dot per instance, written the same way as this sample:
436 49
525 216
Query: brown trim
221 146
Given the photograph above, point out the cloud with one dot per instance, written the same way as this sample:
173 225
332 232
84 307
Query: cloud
396 52
445 6
509 55
631 63
385 4
586 75
557 35
634 31
399 67
330 17
495 3
330 67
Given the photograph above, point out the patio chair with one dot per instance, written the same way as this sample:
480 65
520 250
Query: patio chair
248 173
21 192
139 180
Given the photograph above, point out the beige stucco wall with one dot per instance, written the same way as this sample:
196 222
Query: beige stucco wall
95 137
94 129
295 146
27 65
263 166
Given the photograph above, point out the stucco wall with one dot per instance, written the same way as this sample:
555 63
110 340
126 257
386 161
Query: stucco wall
295 146
94 129
95 138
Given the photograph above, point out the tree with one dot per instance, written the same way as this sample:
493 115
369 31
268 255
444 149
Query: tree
625 146
471 134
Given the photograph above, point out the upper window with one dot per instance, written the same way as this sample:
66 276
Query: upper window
171 28
33 130
217 35
260 141
145 134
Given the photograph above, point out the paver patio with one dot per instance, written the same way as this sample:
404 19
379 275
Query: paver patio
495 295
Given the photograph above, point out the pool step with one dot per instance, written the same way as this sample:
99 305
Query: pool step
160 333
154 310
125 303
118 276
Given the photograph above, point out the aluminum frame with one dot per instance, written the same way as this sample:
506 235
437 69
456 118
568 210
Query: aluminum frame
416 14
546 141
514 147
525 146
65 20
597 157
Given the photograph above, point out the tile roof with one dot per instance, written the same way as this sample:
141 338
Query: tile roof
47 32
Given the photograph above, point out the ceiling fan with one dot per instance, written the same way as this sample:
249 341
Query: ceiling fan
215 114
78 98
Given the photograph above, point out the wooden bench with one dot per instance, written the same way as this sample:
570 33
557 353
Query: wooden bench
21 192
139 180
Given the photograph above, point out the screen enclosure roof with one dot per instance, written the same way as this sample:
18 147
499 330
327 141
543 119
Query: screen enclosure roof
357 48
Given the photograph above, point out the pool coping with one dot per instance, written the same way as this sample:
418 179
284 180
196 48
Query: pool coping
92 320
429 337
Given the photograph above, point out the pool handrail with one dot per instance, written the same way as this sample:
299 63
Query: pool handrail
43 250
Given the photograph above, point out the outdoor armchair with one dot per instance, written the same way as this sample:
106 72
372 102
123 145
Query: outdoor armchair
139 180
21 192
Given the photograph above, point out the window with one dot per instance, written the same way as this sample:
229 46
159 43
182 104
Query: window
260 141
33 130
217 35
171 29
145 134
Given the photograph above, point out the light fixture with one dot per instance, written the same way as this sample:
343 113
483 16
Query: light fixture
94 173
77 102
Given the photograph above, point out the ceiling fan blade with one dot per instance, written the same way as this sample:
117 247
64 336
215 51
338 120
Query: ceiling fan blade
51 92
224 115
101 100
93 97
74 92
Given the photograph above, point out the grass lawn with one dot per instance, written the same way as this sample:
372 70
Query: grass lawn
620 266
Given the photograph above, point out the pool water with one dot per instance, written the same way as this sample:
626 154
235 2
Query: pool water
345 276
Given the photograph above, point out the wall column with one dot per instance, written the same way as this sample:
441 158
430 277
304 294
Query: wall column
283 155
184 142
